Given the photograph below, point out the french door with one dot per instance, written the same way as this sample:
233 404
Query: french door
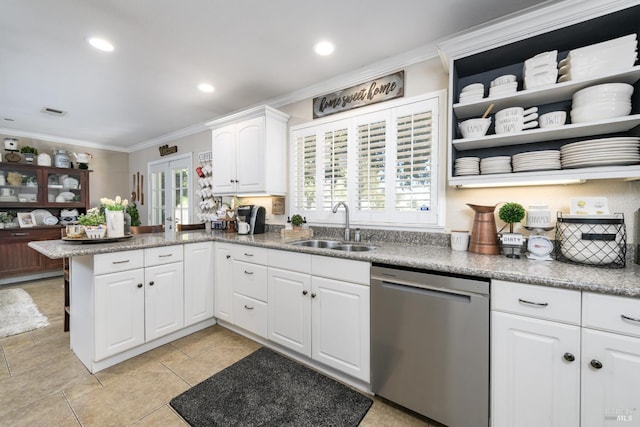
170 189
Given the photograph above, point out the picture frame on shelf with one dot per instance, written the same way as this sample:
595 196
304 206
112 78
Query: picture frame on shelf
26 219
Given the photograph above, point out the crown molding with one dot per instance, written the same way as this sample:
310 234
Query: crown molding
59 139
168 137
536 20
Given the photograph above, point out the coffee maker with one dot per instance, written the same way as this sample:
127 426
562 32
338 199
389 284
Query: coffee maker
255 216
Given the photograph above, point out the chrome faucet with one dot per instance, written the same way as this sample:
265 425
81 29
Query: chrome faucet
347 231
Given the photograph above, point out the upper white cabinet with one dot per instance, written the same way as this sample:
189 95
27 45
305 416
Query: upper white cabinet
249 154
574 25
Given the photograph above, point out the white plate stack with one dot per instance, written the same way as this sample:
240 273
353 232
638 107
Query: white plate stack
497 164
608 57
472 92
503 86
467 166
541 70
601 102
617 151
536 161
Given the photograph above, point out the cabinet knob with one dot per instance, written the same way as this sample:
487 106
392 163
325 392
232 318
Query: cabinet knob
231 181
228 256
596 364
313 295
305 292
569 357
139 285
248 307
151 283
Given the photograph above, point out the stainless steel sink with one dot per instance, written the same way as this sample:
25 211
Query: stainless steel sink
333 244
318 243
354 248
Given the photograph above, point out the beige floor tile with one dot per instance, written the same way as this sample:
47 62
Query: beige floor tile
50 411
165 417
81 387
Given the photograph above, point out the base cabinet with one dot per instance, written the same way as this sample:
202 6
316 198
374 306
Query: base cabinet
198 282
223 301
164 300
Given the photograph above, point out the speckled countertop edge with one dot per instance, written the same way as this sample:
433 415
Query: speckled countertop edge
625 281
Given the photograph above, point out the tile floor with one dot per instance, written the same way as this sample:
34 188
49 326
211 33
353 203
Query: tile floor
42 383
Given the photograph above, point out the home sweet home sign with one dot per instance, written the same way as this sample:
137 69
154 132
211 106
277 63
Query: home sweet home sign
372 92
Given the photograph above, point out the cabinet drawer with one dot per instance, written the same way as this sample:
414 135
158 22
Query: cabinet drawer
611 313
162 255
250 314
560 305
250 280
292 261
118 261
341 269
250 254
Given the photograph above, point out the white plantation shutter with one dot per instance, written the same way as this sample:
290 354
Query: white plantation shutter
371 178
413 162
334 181
304 173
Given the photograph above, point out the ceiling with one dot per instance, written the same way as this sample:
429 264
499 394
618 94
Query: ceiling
252 51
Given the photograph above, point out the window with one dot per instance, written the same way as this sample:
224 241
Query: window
382 162
170 190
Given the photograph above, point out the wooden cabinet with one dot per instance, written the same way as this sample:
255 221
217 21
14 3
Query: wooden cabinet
482 66
249 152
562 358
198 282
17 258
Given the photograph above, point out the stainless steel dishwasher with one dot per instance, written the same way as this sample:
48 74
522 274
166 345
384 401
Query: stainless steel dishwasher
430 344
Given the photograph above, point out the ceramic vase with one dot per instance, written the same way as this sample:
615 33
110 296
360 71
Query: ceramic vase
115 223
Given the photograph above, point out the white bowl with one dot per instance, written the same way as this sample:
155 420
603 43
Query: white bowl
95 233
553 119
542 59
615 89
600 111
474 128
504 80
473 86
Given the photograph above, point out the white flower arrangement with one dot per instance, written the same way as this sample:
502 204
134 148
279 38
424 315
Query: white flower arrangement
114 205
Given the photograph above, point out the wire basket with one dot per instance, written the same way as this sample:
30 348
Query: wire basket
205 157
597 241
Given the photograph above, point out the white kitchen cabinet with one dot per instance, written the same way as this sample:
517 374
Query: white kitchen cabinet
290 309
340 325
119 312
198 282
250 294
249 152
223 281
535 372
164 299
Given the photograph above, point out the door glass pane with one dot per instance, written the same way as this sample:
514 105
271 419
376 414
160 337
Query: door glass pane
157 198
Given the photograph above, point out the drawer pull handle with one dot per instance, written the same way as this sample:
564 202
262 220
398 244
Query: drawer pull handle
139 285
120 262
630 319
537 304
19 234
248 307
246 254
248 272
596 364
165 256
569 357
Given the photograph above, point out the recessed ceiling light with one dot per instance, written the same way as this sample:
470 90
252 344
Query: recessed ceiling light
205 87
324 48
100 44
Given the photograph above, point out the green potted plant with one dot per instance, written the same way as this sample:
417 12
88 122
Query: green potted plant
29 153
297 220
132 210
94 223
511 213
5 218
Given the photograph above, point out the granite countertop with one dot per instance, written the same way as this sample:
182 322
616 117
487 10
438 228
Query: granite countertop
625 281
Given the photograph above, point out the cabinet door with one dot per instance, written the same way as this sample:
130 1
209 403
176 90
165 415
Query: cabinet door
610 393
164 300
224 160
340 326
532 383
119 312
224 282
250 146
198 282
289 309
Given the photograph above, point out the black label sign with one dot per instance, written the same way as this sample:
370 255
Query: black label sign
378 90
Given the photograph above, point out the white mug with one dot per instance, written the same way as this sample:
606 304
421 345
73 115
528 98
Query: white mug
2 180
243 227
459 240
7 192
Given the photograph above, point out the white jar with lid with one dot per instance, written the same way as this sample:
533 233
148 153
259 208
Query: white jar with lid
44 159
538 216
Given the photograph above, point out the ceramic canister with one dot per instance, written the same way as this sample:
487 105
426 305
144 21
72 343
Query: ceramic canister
539 216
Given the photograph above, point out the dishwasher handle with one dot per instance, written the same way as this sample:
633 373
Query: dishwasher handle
428 291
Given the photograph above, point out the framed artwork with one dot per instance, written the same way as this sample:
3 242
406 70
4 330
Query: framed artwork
26 219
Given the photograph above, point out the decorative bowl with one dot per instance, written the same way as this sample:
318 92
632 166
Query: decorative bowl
95 233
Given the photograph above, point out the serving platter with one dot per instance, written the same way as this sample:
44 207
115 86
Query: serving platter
105 240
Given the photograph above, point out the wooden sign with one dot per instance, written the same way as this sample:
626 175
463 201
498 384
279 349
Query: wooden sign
166 150
378 90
